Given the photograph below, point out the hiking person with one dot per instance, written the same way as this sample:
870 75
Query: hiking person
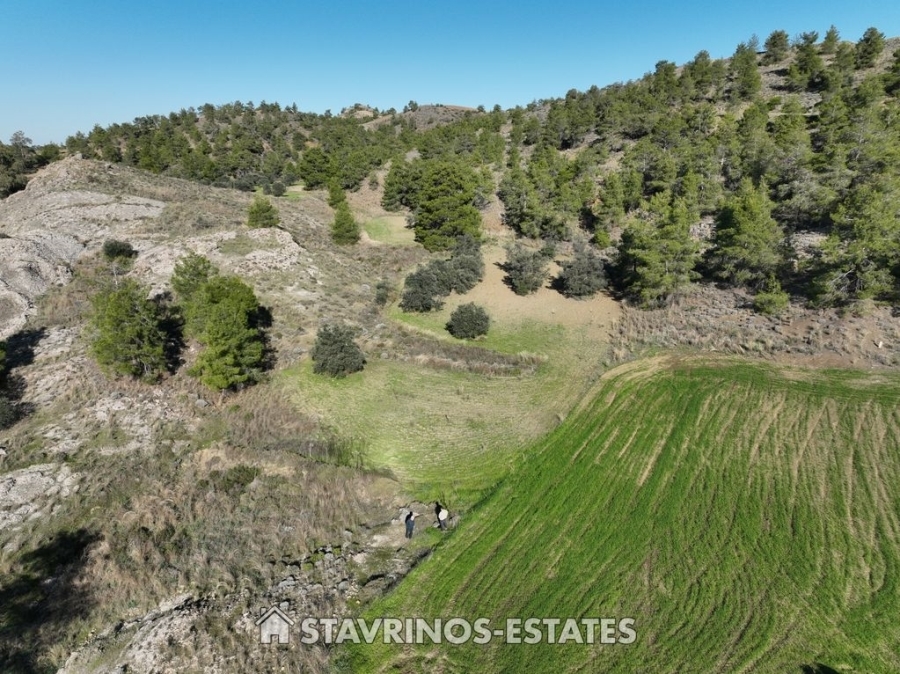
410 523
442 514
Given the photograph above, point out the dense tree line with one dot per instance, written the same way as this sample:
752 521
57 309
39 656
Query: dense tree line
787 135
21 158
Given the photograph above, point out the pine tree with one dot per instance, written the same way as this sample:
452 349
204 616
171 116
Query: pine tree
344 229
128 336
224 316
262 213
747 241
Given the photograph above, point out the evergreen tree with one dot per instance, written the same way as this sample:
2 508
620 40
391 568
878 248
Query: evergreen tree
776 46
745 78
444 209
335 353
869 48
128 337
262 213
830 42
860 259
225 317
191 272
747 240
526 270
584 274
656 259
344 230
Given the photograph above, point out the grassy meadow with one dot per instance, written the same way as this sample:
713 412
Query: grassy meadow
746 517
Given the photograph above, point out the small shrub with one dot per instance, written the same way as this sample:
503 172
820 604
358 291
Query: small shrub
468 321
335 353
278 189
382 292
526 271
583 275
424 288
9 413
262 213
771 300
114 249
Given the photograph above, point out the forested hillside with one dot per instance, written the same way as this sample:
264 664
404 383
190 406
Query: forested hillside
777 169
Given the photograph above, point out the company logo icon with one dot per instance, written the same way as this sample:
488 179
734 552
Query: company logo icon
274 623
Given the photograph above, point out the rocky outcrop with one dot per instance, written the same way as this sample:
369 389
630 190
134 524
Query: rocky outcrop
43 231
33 492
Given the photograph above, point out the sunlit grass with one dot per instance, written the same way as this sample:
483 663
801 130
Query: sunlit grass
747 518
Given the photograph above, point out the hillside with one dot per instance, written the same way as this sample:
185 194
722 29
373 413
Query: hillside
683 410
745 517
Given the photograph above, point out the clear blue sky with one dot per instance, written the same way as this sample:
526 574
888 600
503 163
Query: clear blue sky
71 64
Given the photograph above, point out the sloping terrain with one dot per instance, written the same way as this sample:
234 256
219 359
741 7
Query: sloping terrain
746 517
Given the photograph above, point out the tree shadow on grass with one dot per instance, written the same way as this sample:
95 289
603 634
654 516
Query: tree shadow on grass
40 598
818 668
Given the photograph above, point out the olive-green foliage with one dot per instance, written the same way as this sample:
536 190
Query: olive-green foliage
746 80
424 288
656 255
19 159
345 229
262 213
860 257
335 353
444 204
869 48
526 270
468 321
777 46
771 299
747 244
191 272
115 250
225 317
584 274
128 337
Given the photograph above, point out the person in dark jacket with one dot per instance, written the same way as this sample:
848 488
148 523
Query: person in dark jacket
410 523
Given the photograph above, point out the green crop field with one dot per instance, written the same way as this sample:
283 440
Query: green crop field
746 517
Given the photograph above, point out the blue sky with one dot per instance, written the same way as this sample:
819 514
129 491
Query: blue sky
71 64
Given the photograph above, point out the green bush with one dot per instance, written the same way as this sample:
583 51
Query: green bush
113 249
424 288
771 300
344 229
224 315
525 270
129 338
468 321
583 275
262 213
278 188
335 353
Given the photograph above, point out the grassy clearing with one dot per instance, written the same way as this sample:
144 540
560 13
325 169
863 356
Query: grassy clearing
390 229
747 521
446 432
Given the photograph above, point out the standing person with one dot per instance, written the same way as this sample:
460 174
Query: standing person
442 514
410 523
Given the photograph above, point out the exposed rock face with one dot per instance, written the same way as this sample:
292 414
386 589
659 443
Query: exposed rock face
33 491
45 230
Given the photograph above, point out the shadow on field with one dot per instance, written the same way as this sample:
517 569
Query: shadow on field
40 598
818 668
